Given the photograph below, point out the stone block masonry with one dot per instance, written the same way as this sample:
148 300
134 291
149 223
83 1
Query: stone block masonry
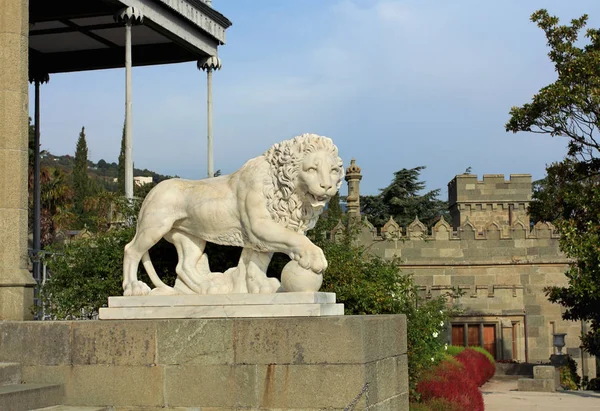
221 364
498 261
16 283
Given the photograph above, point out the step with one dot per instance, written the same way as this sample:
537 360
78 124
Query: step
10 373
25 397
72 408
540 385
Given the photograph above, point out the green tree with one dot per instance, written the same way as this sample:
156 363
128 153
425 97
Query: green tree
402 201
121 172
81 180
56 203
570 194
334 209
31 152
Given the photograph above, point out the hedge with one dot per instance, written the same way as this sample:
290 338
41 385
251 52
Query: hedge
453 384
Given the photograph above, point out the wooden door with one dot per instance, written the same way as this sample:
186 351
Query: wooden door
474 335
489 338
458 335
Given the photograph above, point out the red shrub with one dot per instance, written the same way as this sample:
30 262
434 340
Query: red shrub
437 404
478 367
454 384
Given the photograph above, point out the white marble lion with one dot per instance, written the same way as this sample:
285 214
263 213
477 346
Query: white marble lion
265 207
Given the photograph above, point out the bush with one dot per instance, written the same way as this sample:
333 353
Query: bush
455 381
454 350
450 359
84 274
569 379
451 383
436 404
486 353
477 366
593 384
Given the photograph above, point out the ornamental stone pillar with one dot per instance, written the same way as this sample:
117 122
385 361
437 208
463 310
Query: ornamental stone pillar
128 16
209 65
16 283
353 178
37 77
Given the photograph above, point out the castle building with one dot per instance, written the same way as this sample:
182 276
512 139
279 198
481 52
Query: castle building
499 263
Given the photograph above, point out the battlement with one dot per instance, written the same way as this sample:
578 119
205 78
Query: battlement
495 243
492 199
465 188
442 230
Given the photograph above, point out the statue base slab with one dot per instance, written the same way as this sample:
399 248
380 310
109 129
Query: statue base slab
299 304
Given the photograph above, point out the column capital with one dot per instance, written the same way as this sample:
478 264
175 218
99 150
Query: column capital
130 15
353 171
40 76
210 64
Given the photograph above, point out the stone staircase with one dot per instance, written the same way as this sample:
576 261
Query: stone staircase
15 396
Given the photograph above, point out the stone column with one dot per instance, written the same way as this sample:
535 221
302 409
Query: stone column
129 16
507 340
353 178
210 64
37 77
16 283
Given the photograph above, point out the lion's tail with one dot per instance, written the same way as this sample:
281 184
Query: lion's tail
151 271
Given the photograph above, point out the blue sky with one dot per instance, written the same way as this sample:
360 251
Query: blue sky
395 84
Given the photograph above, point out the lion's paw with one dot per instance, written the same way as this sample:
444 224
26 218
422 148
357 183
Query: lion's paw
271 286
136 288
163 291
312 259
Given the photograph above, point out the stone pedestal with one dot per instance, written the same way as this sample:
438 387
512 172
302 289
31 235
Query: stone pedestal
559 360
299 304
302 363
546 378
16 292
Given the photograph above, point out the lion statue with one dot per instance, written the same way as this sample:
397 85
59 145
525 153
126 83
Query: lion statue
265 207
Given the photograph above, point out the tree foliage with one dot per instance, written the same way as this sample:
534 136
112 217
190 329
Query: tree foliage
570 194
81 181
402 201
56 203
121 172
569 107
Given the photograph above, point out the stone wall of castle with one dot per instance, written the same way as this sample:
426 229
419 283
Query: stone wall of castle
499 264
491 199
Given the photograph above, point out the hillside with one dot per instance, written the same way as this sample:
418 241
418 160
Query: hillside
102 172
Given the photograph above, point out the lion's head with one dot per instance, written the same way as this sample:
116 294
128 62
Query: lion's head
306 172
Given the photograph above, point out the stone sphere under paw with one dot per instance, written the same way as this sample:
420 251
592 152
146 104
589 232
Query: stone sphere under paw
297 279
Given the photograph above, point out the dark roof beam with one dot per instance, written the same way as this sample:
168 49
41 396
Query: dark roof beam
84 30
60 30
142 55
46 10
73 15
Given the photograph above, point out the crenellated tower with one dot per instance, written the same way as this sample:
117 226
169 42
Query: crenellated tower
353 178
492 200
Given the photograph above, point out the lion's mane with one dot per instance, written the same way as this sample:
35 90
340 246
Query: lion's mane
284 203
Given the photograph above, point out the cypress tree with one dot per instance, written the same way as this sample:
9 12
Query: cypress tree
121 170
334 209
81 181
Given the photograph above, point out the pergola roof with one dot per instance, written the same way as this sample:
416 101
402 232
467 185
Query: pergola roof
76 35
